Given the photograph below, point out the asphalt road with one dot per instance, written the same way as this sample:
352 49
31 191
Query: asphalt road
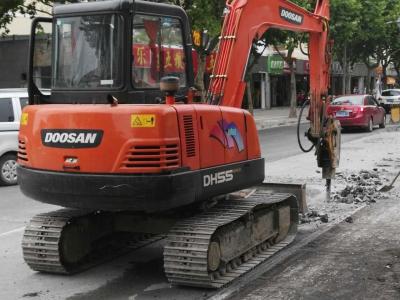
280 142
138 275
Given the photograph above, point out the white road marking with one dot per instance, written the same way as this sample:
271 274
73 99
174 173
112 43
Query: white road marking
12 231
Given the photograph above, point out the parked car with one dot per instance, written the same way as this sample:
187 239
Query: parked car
389 98
11 103
358 111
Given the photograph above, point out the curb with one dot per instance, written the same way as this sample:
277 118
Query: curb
267 124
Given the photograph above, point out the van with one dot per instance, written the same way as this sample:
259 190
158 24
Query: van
12 101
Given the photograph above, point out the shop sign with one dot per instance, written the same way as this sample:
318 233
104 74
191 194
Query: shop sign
173 58
196 37
275 64
390 81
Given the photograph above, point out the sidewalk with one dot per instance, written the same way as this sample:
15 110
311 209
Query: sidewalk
276 117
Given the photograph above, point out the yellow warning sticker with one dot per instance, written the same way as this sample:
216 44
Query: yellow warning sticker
24 119
143 121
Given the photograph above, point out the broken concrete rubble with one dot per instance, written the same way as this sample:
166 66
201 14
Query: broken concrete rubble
360 188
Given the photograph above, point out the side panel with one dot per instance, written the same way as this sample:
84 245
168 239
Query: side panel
189 136
126 138
253 142
211 138
234 127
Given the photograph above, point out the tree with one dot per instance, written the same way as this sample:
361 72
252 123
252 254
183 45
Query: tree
9 9
363 31
289 41
205 17
345 29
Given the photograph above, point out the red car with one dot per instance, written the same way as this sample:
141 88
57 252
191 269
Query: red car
358 111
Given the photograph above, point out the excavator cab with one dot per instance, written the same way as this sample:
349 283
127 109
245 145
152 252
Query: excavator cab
118 49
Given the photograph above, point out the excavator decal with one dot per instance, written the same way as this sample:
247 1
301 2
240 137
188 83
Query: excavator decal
228 134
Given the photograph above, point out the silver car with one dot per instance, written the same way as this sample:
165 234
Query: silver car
11 103
389 98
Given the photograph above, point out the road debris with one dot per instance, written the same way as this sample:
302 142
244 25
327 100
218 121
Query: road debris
33 294
360 188
313 216
349 220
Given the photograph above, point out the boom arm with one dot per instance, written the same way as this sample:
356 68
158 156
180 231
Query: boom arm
247 20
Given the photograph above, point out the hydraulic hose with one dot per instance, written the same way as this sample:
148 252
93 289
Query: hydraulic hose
298 128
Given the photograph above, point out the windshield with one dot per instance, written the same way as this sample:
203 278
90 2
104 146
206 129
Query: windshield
348 100
391 93
88 52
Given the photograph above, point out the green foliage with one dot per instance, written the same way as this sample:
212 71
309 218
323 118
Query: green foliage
365 29
9 9
288 39
204 14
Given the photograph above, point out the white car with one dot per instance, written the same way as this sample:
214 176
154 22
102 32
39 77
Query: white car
11 103
389 98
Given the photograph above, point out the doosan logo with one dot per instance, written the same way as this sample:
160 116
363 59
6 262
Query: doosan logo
64 138
71 138
217 178
290 16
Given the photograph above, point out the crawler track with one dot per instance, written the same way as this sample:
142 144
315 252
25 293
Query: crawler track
50 241
195 254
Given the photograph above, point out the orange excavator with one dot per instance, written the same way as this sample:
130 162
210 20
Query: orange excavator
121 146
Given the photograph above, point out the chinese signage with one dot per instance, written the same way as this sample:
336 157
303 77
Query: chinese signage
275 64
173 58
196 36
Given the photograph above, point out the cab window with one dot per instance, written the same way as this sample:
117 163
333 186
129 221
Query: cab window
157 51
6 110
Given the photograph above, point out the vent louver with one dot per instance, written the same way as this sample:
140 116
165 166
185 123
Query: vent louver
189 136
156 157
22 155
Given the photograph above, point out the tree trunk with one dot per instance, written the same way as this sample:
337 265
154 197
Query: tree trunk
199 80
348 81
344 67
384 77
293 93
